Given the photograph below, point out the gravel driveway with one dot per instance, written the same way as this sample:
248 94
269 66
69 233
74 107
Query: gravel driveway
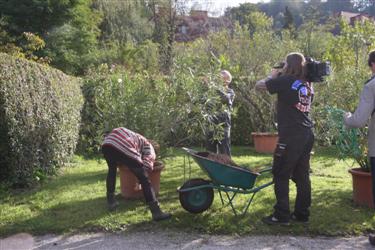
177 240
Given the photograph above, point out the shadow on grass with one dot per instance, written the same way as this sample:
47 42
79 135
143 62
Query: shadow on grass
80 215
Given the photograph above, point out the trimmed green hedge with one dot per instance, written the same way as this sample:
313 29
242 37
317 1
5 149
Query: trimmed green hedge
39 119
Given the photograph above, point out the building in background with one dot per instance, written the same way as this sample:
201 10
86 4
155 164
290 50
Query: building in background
199 24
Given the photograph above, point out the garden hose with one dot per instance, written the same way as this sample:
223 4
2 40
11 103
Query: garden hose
347 140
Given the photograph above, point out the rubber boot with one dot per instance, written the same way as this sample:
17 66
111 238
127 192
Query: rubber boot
157 214
371 238
111 202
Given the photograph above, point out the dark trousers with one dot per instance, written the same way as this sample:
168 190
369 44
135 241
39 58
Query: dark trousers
292 160
221 146
372 164
115 158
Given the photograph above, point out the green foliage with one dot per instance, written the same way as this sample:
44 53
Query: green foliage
73 46
39 122
350 142
289 20
169 110
125 21
241 14
37 16
348 54
248 58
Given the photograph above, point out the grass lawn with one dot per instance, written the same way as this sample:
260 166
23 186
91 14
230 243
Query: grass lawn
75 201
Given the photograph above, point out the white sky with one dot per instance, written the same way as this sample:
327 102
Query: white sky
217 7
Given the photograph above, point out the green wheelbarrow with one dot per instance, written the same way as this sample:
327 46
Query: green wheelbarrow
196 195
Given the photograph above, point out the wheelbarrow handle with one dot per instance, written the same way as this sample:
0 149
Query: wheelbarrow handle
190 151
268 169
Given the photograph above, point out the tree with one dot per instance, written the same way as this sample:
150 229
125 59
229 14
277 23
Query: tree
36 16
288 19
241 13
125 21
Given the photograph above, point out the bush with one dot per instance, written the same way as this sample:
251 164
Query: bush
169 109
39 119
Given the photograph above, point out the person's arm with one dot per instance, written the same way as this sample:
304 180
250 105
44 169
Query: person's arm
148 154
227 96
363 111
261 84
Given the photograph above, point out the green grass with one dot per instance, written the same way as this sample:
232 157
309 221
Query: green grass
74 201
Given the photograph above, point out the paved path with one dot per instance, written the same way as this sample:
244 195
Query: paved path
173 240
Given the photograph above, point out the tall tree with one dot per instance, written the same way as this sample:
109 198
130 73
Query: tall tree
241 13
35 15
288 19
125 21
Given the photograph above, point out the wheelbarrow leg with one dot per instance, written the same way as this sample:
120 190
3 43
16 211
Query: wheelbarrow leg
248 204
221 198
230 201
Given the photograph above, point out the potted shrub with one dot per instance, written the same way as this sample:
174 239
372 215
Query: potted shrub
352 143
261 109
131 188
265 142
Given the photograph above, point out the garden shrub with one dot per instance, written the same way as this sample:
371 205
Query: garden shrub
169 109
39 119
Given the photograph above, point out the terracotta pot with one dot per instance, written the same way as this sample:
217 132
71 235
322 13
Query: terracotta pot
265 142
130 186
362 187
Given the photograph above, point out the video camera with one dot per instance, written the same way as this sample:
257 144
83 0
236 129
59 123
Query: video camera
316 70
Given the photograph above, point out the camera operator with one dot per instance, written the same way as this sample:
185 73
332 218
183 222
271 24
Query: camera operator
296 139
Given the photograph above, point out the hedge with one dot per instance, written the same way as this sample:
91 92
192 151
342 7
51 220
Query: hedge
39 120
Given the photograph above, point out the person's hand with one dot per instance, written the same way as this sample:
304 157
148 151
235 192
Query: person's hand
347 115
274 73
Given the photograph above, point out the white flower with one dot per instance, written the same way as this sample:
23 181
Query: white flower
119 80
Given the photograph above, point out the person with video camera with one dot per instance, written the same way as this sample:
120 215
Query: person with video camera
292 154
123 147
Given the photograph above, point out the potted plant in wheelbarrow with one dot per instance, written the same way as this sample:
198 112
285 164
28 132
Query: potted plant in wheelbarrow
352 144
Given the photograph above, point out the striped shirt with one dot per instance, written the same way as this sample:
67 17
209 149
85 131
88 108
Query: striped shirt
132 145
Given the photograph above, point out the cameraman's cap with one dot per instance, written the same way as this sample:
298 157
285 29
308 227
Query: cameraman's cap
279 65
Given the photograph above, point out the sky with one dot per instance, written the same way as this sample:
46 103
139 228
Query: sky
217 7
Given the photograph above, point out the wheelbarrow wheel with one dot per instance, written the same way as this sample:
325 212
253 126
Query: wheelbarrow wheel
197 200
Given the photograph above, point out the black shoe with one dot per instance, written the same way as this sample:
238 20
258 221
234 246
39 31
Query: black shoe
272 220
296 218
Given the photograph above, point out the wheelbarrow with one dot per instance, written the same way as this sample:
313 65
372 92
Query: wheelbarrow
196 195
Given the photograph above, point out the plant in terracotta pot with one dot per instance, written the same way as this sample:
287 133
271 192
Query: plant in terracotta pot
352 144
130 186
261 108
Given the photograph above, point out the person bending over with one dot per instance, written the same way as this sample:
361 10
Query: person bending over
123 147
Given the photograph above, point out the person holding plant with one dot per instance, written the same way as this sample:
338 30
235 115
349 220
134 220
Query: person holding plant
125 147
224 117
364 111
292 154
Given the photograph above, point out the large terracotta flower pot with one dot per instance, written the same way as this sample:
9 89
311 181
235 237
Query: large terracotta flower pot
362 187
130 186
265 142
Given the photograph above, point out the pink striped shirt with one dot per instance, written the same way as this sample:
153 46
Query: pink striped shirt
132 145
